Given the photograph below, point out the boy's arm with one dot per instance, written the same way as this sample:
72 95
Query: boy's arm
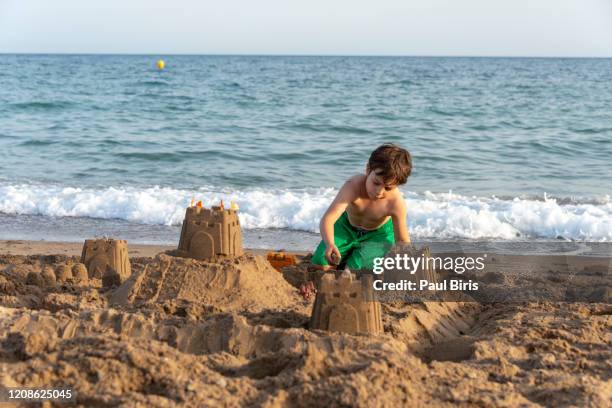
344 197
400 223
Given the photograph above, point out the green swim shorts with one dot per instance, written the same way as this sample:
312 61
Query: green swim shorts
358 247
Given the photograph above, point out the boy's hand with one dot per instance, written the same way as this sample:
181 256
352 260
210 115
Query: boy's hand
307 290
332 254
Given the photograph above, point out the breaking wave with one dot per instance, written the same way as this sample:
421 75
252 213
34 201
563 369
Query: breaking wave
430 215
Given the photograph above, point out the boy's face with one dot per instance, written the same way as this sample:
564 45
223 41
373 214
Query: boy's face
376 187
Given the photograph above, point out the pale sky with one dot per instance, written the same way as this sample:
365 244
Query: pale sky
304 27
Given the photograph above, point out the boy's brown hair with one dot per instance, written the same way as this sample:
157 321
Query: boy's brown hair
392 163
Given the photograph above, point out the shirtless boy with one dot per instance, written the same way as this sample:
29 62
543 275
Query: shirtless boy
368 216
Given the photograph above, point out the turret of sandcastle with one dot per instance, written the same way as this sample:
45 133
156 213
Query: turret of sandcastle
346 304
210 232
107 259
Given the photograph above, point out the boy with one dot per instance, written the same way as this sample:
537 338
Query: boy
368 216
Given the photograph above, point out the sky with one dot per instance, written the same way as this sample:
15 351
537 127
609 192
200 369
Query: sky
546 28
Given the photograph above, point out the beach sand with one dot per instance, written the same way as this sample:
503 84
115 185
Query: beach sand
234 333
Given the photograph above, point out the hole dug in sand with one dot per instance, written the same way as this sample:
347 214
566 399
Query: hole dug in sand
434 330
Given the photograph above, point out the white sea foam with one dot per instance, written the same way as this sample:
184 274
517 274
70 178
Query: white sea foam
444 216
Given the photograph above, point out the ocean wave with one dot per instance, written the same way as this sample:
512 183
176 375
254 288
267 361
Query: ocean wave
37 142
152 83
42 105
398 82
323 128
430 215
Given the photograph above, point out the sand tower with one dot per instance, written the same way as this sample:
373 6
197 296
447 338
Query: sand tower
107 259
210 232
346 304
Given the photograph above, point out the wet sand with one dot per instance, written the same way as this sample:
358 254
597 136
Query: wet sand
22 247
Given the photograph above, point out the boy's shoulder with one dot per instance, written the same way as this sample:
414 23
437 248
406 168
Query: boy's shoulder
352 187
356 180
397 200
355 183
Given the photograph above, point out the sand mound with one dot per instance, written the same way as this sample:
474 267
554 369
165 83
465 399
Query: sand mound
244 283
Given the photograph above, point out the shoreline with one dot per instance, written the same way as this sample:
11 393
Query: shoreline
42 247
498 262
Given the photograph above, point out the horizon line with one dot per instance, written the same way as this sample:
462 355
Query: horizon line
302 55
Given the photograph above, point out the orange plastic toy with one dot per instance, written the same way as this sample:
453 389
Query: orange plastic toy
280 259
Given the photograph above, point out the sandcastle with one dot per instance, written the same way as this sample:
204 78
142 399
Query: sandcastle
346 304
107 259
210 232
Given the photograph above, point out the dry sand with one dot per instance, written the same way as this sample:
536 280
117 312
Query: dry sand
234 333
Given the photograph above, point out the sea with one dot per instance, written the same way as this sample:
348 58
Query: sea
504 149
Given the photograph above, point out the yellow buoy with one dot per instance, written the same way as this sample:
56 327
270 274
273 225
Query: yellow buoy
161 64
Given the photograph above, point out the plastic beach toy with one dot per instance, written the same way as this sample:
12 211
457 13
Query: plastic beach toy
279 260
